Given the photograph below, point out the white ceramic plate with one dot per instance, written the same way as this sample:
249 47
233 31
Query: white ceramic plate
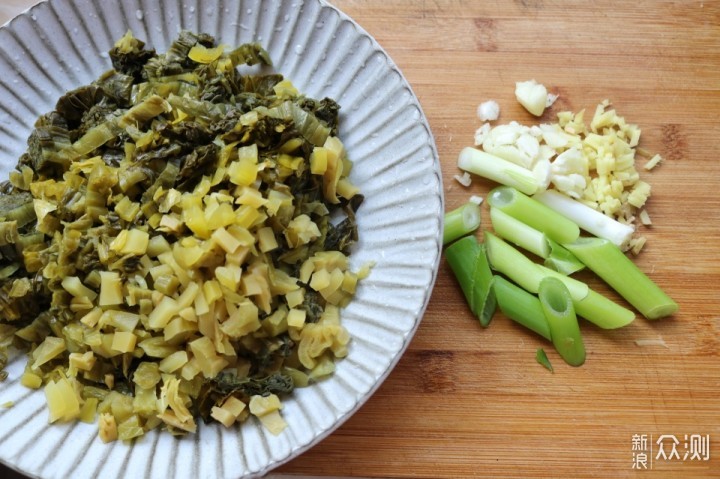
62 44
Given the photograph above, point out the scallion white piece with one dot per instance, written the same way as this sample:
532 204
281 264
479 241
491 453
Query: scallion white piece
497 169
587 218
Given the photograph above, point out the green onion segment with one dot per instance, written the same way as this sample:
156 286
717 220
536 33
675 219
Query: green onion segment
535 214
620 273
461 221
497 169
562 260
468 260
520 306
555 256
562 321
602 312
519 233
593 307
587 218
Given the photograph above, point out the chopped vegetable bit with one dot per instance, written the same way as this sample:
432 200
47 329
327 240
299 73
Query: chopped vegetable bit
107 428
488 110
652 342
541 358
464 179
592 163
482 133
653 162
461 221
557 304
174 242
532 95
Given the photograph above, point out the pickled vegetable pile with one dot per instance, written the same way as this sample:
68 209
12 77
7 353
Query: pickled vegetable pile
174 242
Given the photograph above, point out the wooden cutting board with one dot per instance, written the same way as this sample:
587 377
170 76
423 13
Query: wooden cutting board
471 402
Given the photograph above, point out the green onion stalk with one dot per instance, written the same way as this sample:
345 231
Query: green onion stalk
520 306
587 218
468 260
555 256
597 309
534 214
461 221
612 265
557 304
497 169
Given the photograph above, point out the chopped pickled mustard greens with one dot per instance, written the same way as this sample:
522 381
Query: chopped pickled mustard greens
174 243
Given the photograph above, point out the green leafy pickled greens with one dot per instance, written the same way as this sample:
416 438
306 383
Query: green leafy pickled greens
168 242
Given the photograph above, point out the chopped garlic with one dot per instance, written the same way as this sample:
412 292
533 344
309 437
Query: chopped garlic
513 142
476 199
482 133
464 179
594 165
532 95
488 111
551 98
569 173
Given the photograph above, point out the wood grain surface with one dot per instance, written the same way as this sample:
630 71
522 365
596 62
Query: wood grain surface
470 402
